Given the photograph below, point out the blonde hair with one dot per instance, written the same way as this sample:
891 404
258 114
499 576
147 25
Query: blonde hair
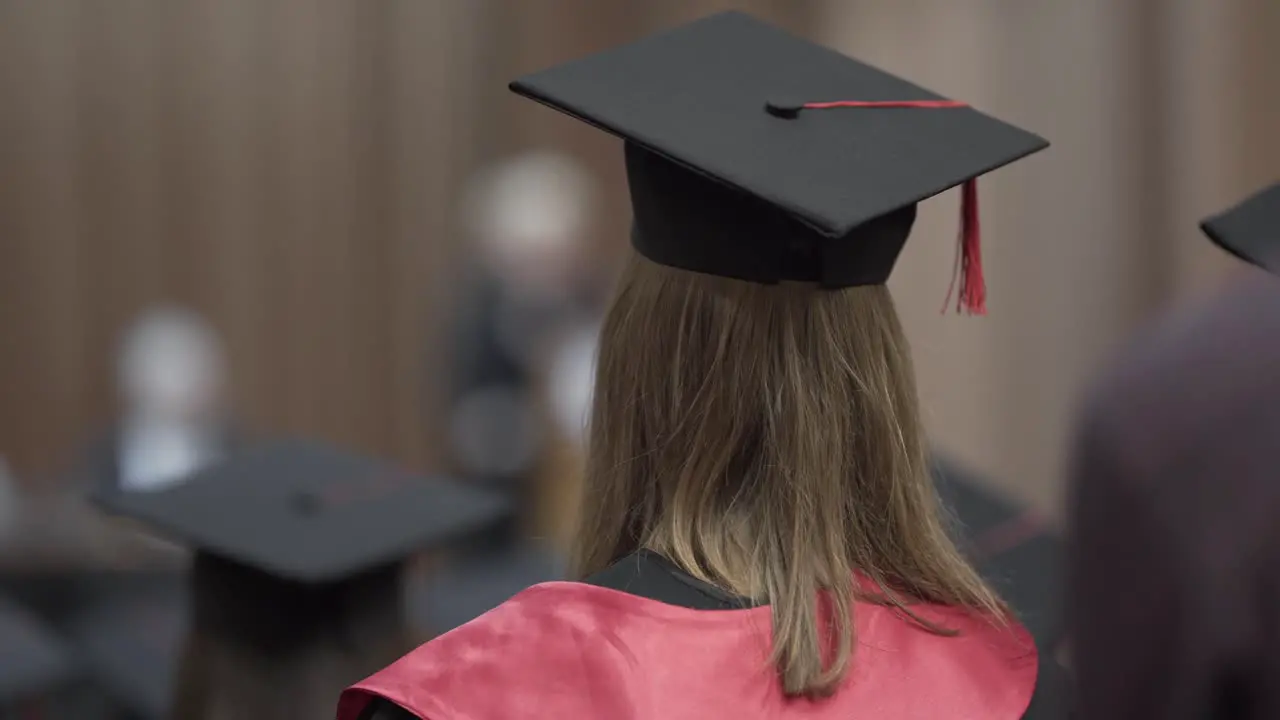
767 439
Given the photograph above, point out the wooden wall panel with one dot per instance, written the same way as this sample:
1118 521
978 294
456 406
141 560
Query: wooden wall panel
288 168
285 167
44 368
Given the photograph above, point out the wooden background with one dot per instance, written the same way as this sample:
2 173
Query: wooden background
290 169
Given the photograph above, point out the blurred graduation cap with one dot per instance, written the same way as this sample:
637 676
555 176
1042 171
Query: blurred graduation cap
756 155
34 663
1012 547
1251 229
297 542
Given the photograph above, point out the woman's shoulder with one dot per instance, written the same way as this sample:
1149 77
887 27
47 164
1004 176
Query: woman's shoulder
528 644
578 650
968 632
986 666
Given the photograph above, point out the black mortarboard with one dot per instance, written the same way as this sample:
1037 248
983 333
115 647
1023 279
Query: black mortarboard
296 540
756 155
34 663
1250 230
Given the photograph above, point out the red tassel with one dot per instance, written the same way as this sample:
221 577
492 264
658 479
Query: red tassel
972 299
973 288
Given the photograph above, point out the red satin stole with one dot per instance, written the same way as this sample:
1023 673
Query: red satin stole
571 651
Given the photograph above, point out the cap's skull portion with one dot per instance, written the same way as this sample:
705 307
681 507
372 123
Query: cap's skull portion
530 215
171 366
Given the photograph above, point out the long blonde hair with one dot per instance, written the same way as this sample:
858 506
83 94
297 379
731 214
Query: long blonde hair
767 439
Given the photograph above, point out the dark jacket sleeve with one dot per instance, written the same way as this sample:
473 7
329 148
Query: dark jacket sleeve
1128 609
381 709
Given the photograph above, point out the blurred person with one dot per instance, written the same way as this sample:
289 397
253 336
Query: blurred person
528 300
89 579
529 287
296 587
171 377
758 500
37 671
263 647
1175 569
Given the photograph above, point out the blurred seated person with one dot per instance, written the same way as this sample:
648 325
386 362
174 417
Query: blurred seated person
1176 563
528 286
296 587
265 646
172 422
37 671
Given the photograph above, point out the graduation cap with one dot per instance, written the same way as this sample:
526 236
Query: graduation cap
1251 229
756 155
295 541
34 663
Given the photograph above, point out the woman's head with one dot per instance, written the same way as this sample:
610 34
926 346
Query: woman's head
767 438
